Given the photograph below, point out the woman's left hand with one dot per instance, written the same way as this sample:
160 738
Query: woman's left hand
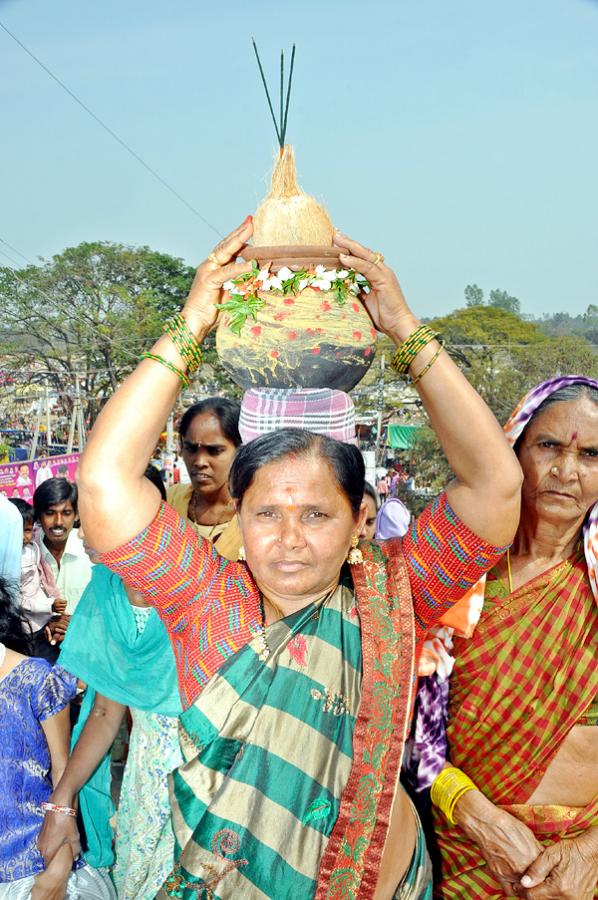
565 870
385 303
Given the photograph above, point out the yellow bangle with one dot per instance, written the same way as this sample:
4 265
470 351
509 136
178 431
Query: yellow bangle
447 790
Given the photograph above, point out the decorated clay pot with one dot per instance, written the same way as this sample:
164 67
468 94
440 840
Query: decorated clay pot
310 338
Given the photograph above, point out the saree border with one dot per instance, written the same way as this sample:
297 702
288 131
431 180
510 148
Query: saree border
351 862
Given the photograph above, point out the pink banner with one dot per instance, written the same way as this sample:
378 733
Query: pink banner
20 479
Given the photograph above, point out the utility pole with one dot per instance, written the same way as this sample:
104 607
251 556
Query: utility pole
48 416
76 420
380 404
38 422
170 433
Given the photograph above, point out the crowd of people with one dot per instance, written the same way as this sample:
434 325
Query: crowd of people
324 696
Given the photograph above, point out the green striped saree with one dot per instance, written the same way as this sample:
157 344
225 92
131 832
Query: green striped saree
292 757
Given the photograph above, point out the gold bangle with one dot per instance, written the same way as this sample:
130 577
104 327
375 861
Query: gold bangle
426 368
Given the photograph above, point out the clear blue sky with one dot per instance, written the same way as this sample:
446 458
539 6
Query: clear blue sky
459 138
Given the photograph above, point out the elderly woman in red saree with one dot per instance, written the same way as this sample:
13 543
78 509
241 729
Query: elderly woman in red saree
296 666
521 790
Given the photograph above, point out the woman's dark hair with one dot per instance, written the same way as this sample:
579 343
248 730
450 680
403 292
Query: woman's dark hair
26 510
13 628
226 411
152 474
345 460
52 492
370 490
563 395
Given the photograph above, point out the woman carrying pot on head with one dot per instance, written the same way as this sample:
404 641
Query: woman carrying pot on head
521 791
296 671
209 435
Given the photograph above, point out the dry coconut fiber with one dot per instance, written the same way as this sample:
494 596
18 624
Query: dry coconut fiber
289 216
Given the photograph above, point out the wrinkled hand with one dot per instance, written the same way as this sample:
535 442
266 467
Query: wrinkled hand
385 303
59 606
51 884
56 629
565 870
508 846
206 290
58 831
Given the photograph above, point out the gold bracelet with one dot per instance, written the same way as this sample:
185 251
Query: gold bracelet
447 790
427 367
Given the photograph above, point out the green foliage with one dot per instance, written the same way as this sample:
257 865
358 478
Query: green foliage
474 295
88 312
504 300
561 324
428 462
485 326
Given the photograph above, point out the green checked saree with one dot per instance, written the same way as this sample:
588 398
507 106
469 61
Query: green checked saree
260 802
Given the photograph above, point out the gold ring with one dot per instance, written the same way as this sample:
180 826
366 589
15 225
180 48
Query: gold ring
378 258
212 258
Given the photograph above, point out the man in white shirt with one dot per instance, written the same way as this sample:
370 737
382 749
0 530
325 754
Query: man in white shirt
44 472
40 600
55 503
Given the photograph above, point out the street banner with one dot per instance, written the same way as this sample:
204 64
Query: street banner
20 479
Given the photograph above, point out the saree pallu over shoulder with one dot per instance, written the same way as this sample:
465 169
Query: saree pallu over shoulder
351 863
293 760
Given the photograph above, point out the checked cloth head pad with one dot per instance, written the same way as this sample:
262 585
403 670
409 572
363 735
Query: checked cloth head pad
319 410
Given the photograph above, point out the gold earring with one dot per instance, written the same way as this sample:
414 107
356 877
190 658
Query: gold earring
354 556
241 555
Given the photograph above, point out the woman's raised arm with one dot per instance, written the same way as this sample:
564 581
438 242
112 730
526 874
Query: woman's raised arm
486 492
116 501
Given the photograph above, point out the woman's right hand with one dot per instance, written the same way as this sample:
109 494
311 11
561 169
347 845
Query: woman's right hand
57 831
508 846
200 308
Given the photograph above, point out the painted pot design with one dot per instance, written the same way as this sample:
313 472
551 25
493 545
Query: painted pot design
306 340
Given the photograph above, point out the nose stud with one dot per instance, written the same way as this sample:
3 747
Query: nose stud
554 470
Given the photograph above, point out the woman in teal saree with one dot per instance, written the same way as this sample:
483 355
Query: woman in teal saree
296 671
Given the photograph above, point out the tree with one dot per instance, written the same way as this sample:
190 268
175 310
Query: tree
474 295
504 300
86 315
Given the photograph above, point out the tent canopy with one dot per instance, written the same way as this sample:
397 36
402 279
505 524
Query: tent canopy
401 437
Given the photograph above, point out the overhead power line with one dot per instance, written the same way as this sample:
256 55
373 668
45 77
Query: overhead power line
111 132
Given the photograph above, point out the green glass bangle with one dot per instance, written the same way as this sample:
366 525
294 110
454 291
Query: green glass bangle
170 366
185 341
411 346
427 367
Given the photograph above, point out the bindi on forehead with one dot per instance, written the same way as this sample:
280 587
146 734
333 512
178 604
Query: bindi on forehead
573 437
